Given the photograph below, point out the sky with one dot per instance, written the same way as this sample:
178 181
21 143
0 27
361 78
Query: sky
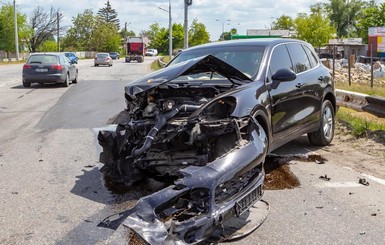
215 15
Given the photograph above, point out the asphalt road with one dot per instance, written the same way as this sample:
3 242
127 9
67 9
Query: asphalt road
51 190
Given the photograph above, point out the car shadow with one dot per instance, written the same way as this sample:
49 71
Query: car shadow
39 86
95 186
300 145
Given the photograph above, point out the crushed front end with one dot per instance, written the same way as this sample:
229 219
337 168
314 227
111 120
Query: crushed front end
184 132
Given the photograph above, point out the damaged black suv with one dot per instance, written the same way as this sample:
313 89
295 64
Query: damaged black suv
205 124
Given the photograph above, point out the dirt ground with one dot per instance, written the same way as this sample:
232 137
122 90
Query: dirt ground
365 154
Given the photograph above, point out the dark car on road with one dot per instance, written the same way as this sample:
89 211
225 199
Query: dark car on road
114 55
205 123
72 57
49 68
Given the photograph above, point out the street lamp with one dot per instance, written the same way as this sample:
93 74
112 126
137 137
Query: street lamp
223 27
169 28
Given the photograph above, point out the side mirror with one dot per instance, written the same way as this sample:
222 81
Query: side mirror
284 75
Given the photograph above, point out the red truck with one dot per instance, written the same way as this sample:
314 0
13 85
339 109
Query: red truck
135 49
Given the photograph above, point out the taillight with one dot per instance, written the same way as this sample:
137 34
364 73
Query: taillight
26 67
57 67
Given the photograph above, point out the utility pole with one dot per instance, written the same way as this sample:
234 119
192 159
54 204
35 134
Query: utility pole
16 33
187 3
170 29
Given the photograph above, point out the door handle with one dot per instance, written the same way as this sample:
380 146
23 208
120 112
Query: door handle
321 78
298 85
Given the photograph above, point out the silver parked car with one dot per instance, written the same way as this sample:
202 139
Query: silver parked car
49 68
103 59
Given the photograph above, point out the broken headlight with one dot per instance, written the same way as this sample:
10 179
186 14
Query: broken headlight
167 105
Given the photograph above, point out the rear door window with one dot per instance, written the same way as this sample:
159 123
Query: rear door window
312 57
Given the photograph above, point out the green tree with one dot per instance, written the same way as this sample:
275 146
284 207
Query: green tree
314 28
7 28
109 15
79 35
105 37
198 34
343 15
177 36
283 23
158 37
48 46
371 16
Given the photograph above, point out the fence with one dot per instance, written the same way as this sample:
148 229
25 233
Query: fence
10 57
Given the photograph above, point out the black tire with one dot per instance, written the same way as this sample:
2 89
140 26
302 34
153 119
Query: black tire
26 85
324 135
65 84
76 78
96 65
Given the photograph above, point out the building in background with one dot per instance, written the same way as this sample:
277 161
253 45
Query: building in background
376 41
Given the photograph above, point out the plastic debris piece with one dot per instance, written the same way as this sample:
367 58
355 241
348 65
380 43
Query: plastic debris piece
326 178
363 181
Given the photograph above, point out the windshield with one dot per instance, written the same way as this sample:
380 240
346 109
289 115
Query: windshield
246 59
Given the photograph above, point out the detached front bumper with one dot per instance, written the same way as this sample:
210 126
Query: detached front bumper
169 216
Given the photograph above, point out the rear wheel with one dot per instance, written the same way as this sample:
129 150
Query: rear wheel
65 84
26 85
76 78
324 135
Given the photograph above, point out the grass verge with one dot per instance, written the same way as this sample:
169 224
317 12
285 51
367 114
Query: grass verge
360 123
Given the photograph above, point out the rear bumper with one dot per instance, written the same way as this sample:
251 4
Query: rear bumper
103 63
52 78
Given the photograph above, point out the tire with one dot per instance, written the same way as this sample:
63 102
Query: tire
324 135
65 84
96 65
76 78
26 85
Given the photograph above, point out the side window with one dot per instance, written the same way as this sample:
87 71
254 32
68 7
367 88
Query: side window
280 59
299 57
312 57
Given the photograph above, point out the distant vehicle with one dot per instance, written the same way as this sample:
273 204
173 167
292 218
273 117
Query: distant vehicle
135 49
72 57
151 52
49 68
103 59
115 55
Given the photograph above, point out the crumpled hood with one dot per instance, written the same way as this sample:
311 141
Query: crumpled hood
202 64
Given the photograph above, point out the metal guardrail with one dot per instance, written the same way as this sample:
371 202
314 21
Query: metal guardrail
161 63
361 102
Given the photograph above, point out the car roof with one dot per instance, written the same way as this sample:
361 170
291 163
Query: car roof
247 42
48 53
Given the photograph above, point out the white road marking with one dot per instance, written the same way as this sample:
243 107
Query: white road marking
338 184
